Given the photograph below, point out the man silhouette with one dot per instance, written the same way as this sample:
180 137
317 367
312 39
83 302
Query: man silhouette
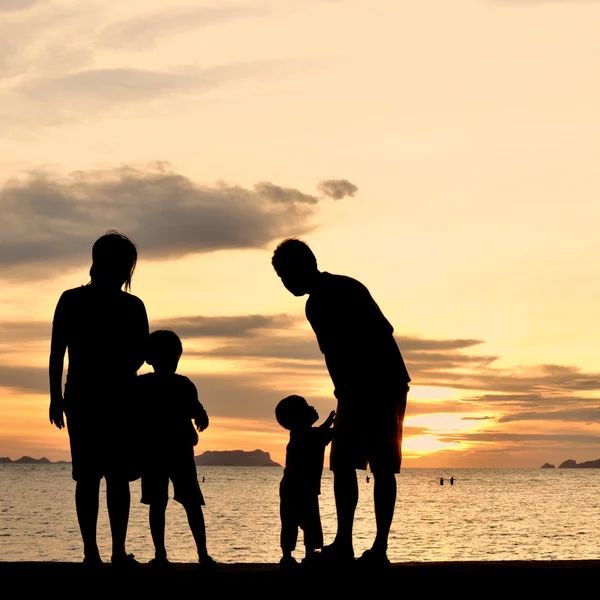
370 383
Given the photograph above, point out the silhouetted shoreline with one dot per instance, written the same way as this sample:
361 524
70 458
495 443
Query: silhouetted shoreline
459 572
573 464
27 460
210 458
235 458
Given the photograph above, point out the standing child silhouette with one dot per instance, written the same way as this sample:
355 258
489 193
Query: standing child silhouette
168 402
301 484
103 329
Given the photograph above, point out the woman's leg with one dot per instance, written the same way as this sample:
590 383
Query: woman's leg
87 493
118 500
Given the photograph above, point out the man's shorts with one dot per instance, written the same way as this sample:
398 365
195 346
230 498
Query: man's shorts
182 472
368 431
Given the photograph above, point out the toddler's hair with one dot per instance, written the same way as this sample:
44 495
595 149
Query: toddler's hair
162 343
287 410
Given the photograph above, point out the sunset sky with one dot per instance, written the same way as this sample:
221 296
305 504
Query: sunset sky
444 153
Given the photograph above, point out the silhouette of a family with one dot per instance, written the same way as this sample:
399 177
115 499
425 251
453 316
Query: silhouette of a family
105 331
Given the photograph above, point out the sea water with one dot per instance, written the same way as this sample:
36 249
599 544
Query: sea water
488 514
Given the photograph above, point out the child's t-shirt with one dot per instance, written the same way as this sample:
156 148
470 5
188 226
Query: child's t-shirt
167 405
304 458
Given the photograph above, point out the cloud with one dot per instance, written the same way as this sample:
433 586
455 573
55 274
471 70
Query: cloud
49 40
283 348
16 5
225 327
12 332
101 91
489 437
576 415
50 222
281 195
545 380
337 188
90 90
528 2
24 379
417 343
111 86
143 31
251 394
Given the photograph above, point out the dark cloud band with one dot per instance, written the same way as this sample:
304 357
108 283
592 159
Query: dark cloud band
50 222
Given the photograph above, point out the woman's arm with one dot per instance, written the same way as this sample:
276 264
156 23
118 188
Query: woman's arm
58 347
139 334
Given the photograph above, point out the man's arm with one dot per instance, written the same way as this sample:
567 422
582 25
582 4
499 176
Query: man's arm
339 373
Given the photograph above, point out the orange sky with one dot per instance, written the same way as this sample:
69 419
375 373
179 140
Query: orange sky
204 131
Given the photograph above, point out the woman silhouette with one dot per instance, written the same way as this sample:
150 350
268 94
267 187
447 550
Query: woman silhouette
103 328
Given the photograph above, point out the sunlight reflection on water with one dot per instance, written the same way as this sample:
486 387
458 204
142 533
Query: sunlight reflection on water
489 514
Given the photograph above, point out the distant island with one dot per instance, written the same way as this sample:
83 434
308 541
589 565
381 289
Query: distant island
588 464
210 458
572 464
235 458
27 460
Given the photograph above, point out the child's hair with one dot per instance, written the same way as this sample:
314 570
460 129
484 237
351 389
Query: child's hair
114 254
287 410
162 343
293 253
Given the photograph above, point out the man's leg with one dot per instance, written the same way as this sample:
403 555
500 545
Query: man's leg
385 458
195 518
345 489
384 496
87 494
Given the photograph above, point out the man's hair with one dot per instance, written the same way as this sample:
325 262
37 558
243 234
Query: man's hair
114 253
293 253
162 343
287 409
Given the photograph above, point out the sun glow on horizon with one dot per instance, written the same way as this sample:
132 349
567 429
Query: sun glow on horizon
420 445
449 422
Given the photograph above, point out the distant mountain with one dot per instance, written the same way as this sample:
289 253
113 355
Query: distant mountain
235 458
547 466
27 460
571 464
228 458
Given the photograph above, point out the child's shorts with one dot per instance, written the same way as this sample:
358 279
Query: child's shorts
183 474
